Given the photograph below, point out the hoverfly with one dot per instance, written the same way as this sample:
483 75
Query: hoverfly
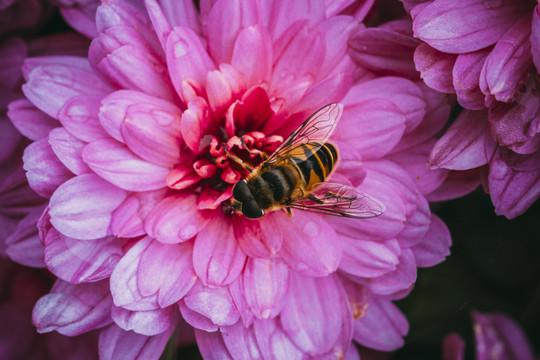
293 177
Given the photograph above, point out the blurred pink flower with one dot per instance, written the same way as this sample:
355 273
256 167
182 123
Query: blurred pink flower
127 147
497 336
488 54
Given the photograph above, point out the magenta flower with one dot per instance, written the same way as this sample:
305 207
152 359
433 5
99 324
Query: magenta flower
488 54
497 336
130 147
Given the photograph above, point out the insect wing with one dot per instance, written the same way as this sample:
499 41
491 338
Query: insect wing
317 128
340 200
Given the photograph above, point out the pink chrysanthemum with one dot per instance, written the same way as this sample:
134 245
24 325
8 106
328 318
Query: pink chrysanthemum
132 160
496 336
488 54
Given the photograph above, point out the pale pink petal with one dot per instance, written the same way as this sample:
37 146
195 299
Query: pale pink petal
401 278
52 81
215 304
416 225
211 345
79 115
79 261
331 89
507 66
435 246
115 343
166 270
175 219
466 79
272 339
310 246
131 67
241 342
238 294
414 161
187 59
124 280
252 54
384 52
181 13
338 30
82 207
453 347
382 327
312 317
373 127
126 221
31 122
462 145
73 309
259 239
406 95
118 165
369 258
513 190
217 258
23 245
266 285
282 13
196 123
225 20
196 319
149 322
45 173
435 67
68 149
462 26
161 24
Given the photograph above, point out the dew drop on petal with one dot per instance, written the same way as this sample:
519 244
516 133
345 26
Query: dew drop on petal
187 232
180 48
311 229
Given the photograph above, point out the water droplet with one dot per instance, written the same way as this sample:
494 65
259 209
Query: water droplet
311 229
187 232
492 4
180 48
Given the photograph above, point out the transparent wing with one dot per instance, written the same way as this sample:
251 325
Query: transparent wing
317 128
340 200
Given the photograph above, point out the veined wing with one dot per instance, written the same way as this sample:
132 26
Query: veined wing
340 200
317 128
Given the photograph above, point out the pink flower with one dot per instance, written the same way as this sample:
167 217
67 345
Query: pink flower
133 159
488 54
497 336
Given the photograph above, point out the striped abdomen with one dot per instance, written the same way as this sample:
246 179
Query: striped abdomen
294 176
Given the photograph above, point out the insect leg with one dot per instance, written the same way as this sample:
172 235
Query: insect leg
236 159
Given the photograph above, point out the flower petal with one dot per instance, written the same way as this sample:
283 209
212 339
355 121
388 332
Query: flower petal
462 145
79 115
259 239
241 342
217 258
401 278
435 246
310 246
211 345
82 207
115 343
149 322
312 317
266 285
252 54
466 79
435 67
462 26
369 258
272 339
382 327
45 173
31 122
23 245
175 219
73 309
118 165
80 261
68 149
535 37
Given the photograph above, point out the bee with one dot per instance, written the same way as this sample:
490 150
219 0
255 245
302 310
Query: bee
293 177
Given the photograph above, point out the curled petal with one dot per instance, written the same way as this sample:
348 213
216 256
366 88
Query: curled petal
82 207
211 345
68 149
31 122
73 309
272 339
435 67
23 245
369 258
259 239
435 246
466 79
118 165
149 322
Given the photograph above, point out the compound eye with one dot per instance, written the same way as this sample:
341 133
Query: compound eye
252 210
241 191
